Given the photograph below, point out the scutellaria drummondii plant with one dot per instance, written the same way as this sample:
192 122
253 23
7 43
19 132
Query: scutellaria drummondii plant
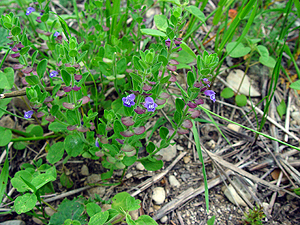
67 73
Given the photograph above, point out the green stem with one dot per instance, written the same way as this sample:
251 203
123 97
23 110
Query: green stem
34 138
6 54
247 128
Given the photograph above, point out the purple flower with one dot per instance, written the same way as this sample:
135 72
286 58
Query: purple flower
29 10
168 42
56 34
150 104
53 74
28 114
97 143
129 100
206 81
211 94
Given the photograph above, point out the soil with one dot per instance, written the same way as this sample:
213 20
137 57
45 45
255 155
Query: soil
286 209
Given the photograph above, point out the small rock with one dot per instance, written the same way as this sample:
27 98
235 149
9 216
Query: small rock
151 210
186 159
100 190
210 144
173 181
7 122
180 148
49 211
159 195
37 221
296 117
206 106
234 127
13 222
140 166
134 214
84 170
156 207
128 175
169 152
234 79
164 219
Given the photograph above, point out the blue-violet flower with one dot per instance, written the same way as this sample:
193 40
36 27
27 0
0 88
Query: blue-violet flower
211 94
56 34
53 74
149 104
29 10
28 114
129 100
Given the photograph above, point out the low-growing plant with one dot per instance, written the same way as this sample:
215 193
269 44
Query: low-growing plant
97 84
255 216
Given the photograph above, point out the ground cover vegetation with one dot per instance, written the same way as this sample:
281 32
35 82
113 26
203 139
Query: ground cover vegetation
92 74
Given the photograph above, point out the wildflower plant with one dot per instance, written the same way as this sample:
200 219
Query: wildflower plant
66 79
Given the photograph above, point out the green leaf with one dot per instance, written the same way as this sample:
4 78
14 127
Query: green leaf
186 48
161 22
152 32
190 79
66 77
152 165
92 208
263 51
124 202
42 179
35 130
99 219
66 181
150 147
32 80
196 12
5 135
241 100
267 61
24 50
4 178
20 145
211 221
57 127
227 93
145 220
56 152
45 17
281 108
16 31
237 51
295 85
69 209
18 183
41 68
163 132
73 145
7 78
132 203
25 203
179 103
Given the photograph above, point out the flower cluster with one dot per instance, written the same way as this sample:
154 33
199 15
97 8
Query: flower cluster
149 104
